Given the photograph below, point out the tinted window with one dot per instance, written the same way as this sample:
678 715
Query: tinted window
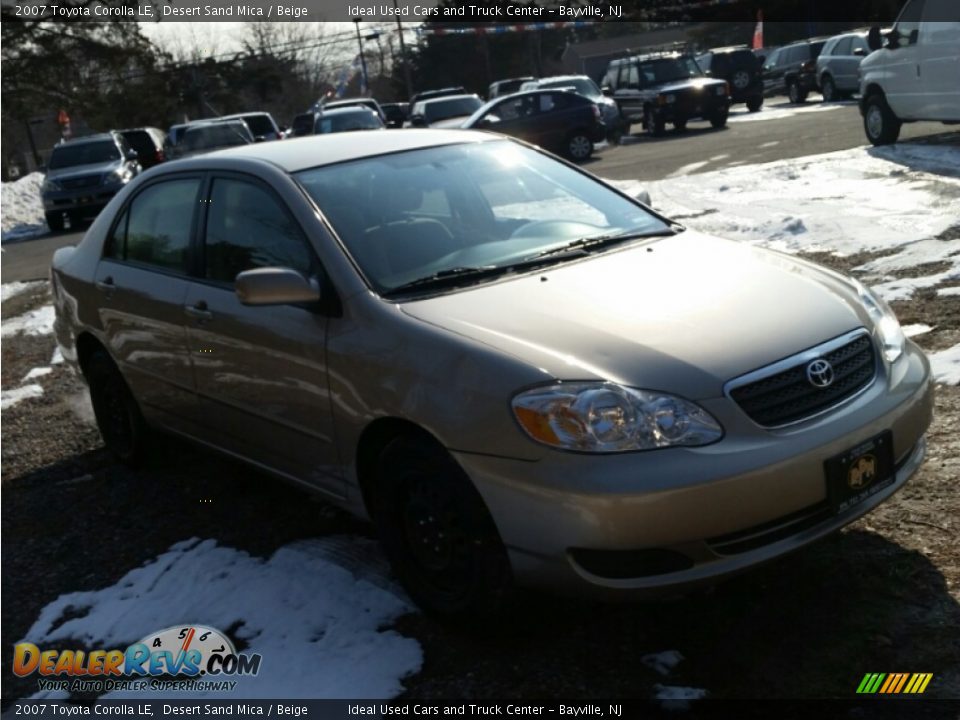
442 109
158 229
844 46
83 154
813 51
208 137
358 120
140 141
303 124
260 125
247 228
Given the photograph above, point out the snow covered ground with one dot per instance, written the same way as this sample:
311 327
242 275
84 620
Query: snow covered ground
317 617
21 213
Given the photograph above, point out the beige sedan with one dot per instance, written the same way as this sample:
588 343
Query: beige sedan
519 373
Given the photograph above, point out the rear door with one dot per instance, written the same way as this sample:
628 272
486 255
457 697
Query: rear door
261 371
143 280
939 41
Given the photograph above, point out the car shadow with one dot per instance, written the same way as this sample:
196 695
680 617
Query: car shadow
924 153
808 625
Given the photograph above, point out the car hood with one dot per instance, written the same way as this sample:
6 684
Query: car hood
683 314
680 85
453 122
79 170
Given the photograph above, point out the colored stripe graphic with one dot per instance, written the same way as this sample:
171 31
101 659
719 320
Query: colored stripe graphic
894 683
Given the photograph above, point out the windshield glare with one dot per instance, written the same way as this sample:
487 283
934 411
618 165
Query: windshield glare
583 86
83 154
664 70
410 215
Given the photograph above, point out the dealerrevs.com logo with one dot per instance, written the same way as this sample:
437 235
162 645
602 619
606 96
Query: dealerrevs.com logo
192 657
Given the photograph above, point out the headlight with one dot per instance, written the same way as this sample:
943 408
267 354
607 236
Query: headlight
120 175
601 417
49 185
888 327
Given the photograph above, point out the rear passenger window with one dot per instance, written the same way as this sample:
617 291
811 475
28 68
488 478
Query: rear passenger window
155 228
843 47
247 228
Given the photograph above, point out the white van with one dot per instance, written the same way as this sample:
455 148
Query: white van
916 74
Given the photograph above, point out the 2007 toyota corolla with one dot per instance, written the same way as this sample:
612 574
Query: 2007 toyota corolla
519 373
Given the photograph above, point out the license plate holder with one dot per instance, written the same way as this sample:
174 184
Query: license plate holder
860 472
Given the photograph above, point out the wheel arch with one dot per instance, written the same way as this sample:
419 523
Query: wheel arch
87 345
372 442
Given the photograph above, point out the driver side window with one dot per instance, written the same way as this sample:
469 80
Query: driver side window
908 24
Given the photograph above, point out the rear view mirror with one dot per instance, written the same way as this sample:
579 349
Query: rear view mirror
275 286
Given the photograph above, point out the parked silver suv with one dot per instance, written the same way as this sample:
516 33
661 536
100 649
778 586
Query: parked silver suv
838 65
83 174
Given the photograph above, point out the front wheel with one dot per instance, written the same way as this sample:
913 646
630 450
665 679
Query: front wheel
796 94
118 416
437 533
880 123
652 124
719 118
828 89
579 146
54 221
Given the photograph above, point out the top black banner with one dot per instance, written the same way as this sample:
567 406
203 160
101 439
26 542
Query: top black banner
456 15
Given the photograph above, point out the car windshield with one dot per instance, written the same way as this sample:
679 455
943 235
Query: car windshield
87 153
492 205
208 137
342 122
437 110
661 70
583 86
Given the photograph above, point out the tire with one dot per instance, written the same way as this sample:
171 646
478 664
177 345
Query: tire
579 146
437 532
880 124
754 104
680 124
119 420
796 94
653 124
828 88
719 118
54 221
741 79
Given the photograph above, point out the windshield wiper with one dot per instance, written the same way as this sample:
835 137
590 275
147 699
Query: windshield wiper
586 244
451 276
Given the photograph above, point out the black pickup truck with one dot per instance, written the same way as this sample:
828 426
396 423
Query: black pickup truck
666 88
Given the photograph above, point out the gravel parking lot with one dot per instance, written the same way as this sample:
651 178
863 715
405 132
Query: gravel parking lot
882 595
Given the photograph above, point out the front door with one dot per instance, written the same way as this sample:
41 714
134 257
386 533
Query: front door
940 63
261 370
903 86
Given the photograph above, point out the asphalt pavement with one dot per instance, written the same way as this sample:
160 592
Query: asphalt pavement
787 132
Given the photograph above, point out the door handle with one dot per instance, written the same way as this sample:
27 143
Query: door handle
106 286
199 311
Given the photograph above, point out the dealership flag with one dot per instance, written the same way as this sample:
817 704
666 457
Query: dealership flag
758 31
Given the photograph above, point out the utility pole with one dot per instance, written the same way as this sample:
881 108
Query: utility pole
403 53
363 62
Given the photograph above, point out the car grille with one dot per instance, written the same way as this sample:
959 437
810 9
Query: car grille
80 182
788 396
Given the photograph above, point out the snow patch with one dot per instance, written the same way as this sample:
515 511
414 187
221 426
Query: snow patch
662 662
9 398
57 357
22 210
946 365
12 289
916 329
37 372
948 291
35 322
318 625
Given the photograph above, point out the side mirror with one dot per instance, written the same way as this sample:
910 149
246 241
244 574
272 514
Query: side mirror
275 286
259 138
893 39
418 121
874 38
607 90
859 52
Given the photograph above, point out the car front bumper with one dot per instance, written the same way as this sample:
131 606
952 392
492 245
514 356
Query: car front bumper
667 520
88 198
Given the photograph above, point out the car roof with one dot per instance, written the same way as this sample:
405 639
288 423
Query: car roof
562 78
319 150
446 98
353 110
99 137
240 116
729 49
232 122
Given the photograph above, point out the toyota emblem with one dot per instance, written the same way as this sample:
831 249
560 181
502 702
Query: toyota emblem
820 373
